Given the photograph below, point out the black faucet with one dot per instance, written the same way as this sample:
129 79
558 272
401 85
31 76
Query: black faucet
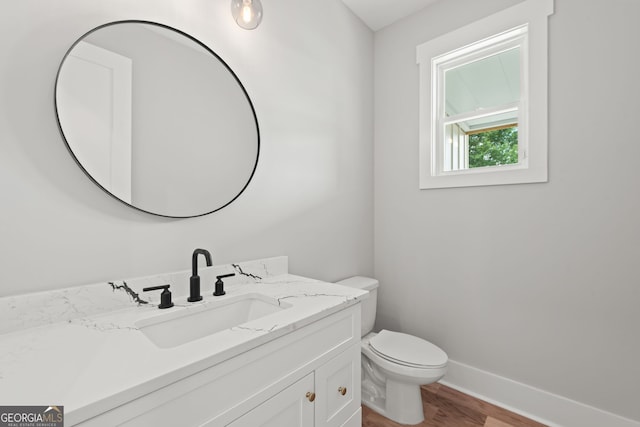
194 285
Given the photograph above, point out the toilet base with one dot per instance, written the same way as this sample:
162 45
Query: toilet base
394 390
402 403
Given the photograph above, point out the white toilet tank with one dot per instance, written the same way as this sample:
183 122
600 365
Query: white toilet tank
369 304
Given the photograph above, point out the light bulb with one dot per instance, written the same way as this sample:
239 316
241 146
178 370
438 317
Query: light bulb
247 13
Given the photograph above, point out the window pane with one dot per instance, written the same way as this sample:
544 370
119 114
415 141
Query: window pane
488 82
493 147
485 141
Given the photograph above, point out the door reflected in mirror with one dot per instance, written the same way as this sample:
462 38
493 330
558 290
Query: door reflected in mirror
157 119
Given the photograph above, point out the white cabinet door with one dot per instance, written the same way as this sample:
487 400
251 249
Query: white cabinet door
355 420
338 388
291 407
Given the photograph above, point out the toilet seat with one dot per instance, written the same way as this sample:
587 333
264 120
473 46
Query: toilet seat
407 350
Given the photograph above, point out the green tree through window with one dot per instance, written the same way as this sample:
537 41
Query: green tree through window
493 148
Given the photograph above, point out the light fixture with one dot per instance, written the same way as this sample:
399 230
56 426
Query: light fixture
247 13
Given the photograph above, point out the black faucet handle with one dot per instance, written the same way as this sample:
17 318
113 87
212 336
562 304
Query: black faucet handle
194 282
220 284
156 288
165 296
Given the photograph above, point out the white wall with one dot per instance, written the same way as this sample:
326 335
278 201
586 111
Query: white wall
538 282
308 70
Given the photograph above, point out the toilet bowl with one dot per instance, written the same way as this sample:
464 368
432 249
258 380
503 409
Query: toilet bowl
394 364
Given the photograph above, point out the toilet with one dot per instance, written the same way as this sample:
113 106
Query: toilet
394 365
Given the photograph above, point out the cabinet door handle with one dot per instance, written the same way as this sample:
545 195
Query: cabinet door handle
311 396
342 390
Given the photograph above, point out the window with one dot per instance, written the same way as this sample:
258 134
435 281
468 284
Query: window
483 101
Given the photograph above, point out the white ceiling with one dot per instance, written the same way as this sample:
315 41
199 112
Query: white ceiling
380 13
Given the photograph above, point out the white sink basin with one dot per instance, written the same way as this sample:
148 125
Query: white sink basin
191 323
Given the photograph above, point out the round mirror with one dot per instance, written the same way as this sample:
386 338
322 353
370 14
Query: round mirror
157 119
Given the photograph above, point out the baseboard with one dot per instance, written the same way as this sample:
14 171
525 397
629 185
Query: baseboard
531 402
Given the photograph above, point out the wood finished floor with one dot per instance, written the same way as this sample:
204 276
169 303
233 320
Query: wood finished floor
446 407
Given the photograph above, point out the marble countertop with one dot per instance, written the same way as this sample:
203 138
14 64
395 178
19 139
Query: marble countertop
91 364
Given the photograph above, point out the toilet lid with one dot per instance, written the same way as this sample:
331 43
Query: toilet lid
407 350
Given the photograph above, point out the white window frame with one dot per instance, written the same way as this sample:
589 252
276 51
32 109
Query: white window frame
524 25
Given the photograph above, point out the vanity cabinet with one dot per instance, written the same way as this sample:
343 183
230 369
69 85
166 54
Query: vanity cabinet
328 397
307 377
337 388
292 406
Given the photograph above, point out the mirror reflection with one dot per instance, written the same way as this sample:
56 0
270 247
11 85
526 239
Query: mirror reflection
157 119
